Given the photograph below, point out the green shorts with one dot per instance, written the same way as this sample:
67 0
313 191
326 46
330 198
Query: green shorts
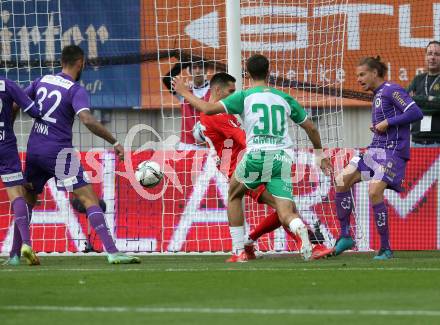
272 168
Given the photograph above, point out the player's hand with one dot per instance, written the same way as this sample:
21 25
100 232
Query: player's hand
372 129
326 166
382 126
119 151
323 162
178 85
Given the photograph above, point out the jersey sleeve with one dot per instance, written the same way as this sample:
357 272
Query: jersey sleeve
22 99
80 100
234 104
297 112
30 90
401 99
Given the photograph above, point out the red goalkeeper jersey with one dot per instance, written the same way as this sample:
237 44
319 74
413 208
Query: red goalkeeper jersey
190 115
228 139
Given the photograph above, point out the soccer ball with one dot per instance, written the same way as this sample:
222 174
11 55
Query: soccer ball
148 173
198 134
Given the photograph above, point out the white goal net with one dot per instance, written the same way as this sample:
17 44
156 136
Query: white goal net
304 41
131 46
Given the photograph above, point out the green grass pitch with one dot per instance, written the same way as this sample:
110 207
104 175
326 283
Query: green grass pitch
349 289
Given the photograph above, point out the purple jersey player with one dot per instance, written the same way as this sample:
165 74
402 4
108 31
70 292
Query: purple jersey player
384 162
10 164
50 152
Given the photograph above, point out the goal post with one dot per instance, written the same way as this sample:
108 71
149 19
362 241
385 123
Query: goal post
234 41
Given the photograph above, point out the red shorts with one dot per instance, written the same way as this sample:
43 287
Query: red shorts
257 193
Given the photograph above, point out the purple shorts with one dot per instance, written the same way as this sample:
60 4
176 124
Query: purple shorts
10 166
379 164
67 170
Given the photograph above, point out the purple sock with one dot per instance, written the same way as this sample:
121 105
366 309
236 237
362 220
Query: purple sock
21 212
343 210
16 240
97 221
381 218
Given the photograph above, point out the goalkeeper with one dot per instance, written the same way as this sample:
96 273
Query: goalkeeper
200 88
267 160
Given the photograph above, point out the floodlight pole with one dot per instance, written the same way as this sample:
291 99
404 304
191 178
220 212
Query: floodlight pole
234 41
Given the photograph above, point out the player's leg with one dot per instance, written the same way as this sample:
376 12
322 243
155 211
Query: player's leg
279 184
21 228
21 212
272 222
289 217
269 223
376 189
35 179
389 172
88 198
13 180
236 219
15 253
344 206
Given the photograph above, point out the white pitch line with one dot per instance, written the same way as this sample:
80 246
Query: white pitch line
119 268
186 310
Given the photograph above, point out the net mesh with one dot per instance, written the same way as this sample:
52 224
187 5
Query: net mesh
313 47
306 55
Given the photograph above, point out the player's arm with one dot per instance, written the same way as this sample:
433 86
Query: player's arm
312 133
299 116
321 160
199 104
98 129
410 111
80 104
22 99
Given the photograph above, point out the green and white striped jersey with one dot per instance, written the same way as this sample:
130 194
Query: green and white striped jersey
264 111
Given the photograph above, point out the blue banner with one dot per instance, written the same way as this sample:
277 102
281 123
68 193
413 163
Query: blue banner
31 33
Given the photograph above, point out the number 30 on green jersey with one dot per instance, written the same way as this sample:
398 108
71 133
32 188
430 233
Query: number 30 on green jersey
271 120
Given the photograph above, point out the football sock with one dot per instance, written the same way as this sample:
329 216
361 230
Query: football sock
97 221
343 210
270 223
381 218
16 240
295 224
21 213
237 235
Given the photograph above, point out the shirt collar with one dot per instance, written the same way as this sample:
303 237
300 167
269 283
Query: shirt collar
379 88
65 76
206 84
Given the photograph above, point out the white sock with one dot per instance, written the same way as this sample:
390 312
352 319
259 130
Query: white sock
295 224
237 235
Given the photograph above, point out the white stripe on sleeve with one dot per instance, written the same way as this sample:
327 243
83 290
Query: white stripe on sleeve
82 109
408 106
